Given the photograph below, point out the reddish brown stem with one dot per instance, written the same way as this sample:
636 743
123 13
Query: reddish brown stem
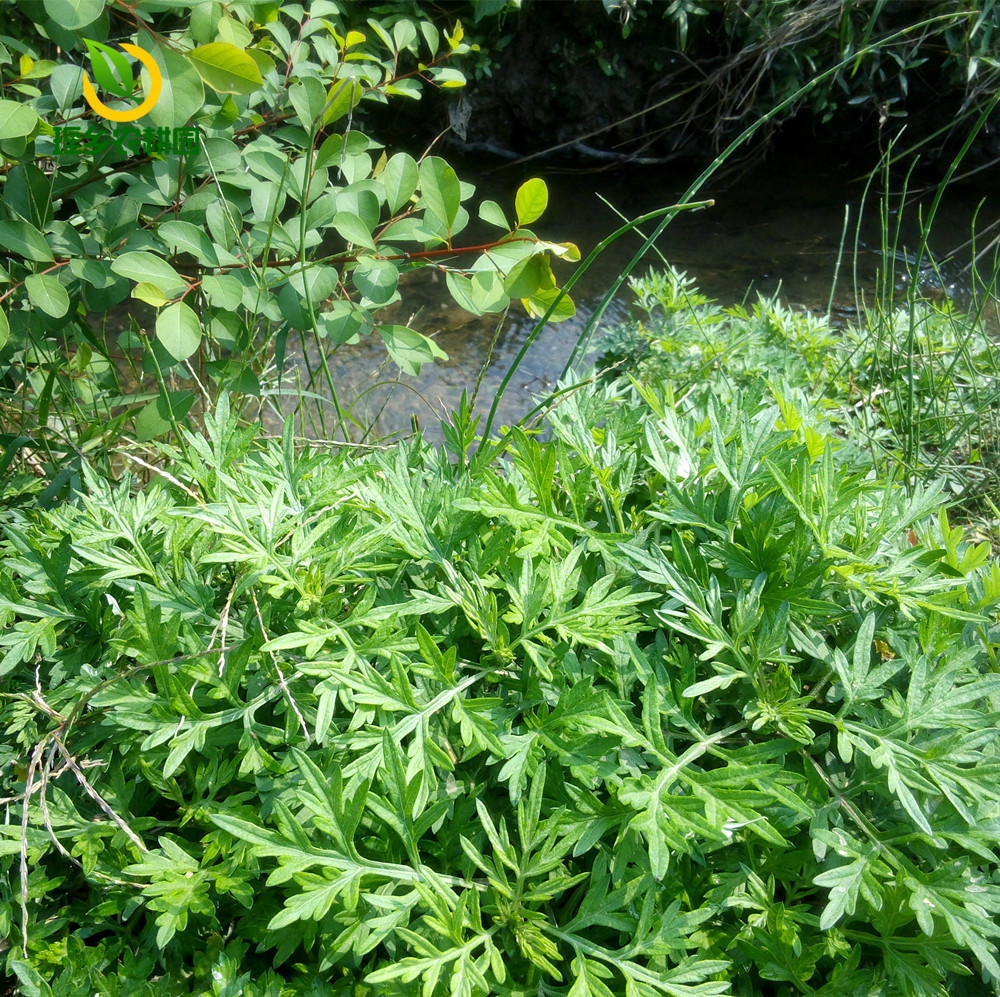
428 254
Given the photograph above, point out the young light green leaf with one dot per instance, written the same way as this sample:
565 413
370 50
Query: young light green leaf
342 97
539 303
179 330
448 78
225 68
150 293
531 201
492 214
233 31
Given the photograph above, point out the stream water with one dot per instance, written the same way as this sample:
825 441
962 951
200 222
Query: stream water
779 228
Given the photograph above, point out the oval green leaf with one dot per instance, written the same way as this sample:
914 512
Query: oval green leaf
28 193
264 62
540 302
342 97
233 31
400 178
529 276
409 348
481 293
179 330
376 279
149 293
492 214
225 68
308 98
224 291
440 189
182 95
66 83
531 201
74 14
142 266
47 293
16 120
448 77
353 229
95 272
185 237
4 330
25 240
342 323
359 200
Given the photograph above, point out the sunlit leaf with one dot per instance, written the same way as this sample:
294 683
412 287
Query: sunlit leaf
178 329
400 178
410 349
342 97
531 201
225 68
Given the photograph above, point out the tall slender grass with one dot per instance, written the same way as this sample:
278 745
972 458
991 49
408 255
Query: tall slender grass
932 343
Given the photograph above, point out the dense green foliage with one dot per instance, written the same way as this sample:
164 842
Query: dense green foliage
284 220
917 380
683 700
687 688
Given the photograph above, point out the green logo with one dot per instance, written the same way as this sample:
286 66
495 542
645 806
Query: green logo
104 59
124 84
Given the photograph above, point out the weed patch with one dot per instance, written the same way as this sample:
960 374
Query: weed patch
684 700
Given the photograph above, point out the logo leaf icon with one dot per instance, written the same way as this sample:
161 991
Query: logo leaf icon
100 57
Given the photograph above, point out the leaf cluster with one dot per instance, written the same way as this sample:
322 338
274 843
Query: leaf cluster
282 218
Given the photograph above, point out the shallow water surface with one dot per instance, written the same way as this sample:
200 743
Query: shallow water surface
779 228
